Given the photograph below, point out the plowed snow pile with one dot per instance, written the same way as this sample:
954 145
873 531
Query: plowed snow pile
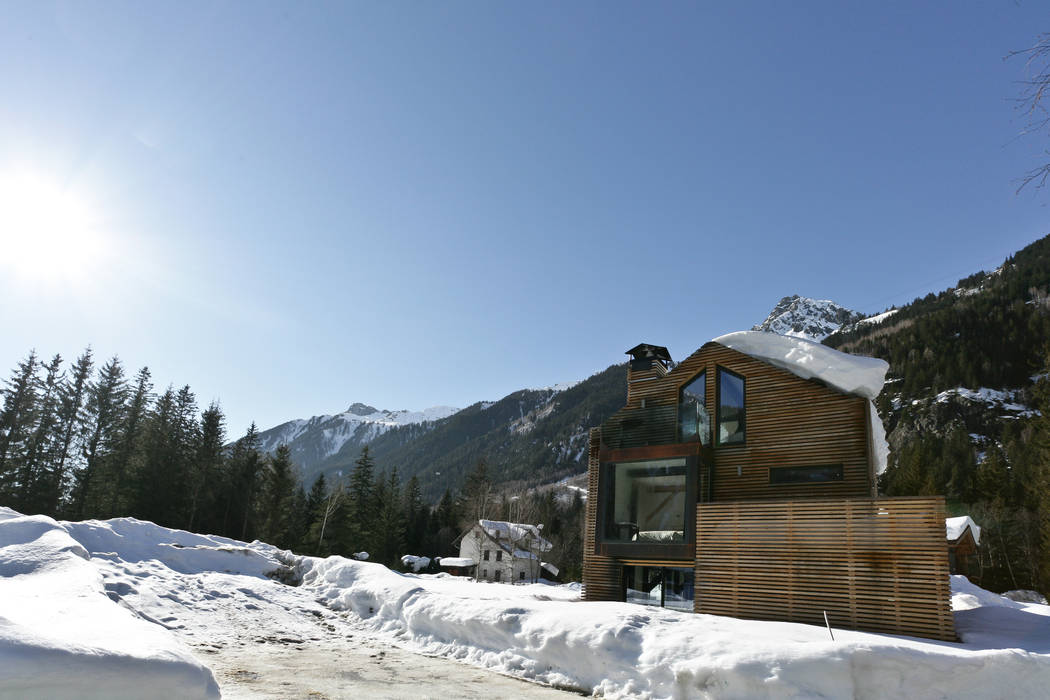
107 608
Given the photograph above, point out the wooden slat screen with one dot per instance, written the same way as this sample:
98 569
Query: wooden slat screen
873 564
640 427
601 575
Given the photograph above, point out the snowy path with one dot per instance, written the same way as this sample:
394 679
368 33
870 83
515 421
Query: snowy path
263 639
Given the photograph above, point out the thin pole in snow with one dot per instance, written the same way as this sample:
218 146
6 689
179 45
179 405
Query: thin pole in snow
828 625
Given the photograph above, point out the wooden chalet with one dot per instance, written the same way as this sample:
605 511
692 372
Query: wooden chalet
742 482
964 536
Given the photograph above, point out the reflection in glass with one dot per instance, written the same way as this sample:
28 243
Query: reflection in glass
730 408
693 419
646 502
670 587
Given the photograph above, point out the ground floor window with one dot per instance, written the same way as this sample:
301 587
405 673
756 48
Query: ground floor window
663 586
499 574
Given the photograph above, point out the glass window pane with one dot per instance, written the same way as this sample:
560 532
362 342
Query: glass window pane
693 419
647 502
730 408
805 475
678 589
643 585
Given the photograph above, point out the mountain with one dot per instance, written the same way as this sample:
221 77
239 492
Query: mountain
313 440
802 317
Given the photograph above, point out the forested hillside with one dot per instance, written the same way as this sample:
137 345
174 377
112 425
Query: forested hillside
529 437
966 409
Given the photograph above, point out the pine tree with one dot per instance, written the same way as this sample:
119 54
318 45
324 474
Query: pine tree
416 515
358 519
206 468
104 411
17 421
278 490
69 426
128 447
389 538
34 486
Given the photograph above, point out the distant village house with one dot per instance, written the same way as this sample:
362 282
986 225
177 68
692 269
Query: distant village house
504 552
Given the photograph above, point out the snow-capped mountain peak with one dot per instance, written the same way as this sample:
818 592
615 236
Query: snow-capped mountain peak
802 317
319 437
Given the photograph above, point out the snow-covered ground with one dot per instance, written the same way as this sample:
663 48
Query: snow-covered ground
110 608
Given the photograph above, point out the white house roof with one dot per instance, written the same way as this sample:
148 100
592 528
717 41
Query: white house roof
517 533
456 561
955 527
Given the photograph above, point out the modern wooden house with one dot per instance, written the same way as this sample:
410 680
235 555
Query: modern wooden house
742 482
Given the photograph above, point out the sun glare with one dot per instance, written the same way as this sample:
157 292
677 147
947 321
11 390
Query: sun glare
47 233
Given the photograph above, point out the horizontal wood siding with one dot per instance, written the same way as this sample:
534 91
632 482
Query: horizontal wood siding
871 564
790 422
601 575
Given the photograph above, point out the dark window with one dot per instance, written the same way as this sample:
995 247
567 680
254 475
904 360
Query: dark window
805 475
498 574
486 555
730 408
668 587
499 556
484 573
646 502
694 423
521 575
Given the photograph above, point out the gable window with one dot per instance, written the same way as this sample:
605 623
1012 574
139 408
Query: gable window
805 475
486 555
731 411
499 556
645 501
694 423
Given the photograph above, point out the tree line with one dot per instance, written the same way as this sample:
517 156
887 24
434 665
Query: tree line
89 441
1006 490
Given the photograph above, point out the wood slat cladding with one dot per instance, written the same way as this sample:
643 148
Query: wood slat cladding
790 422
602 576
872 564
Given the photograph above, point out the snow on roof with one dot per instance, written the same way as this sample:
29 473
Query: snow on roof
550 567
455 561
955 527
851 374
516 532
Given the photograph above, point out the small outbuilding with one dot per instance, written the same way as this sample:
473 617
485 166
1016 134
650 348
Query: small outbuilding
964 537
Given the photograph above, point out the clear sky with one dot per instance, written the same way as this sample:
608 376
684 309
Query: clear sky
294 206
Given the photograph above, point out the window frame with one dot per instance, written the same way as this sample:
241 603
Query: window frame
686 549
678 422
807 482
719 369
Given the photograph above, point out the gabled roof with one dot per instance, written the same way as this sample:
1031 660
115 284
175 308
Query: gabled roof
515 533
956 528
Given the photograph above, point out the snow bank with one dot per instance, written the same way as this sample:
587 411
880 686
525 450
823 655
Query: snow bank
852 374
60 634
954 528
410 561
622 650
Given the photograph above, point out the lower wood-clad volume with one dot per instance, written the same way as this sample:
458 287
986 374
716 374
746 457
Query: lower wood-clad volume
870 564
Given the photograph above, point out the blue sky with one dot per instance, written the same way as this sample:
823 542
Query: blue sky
295 207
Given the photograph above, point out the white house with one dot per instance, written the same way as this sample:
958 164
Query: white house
506 552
